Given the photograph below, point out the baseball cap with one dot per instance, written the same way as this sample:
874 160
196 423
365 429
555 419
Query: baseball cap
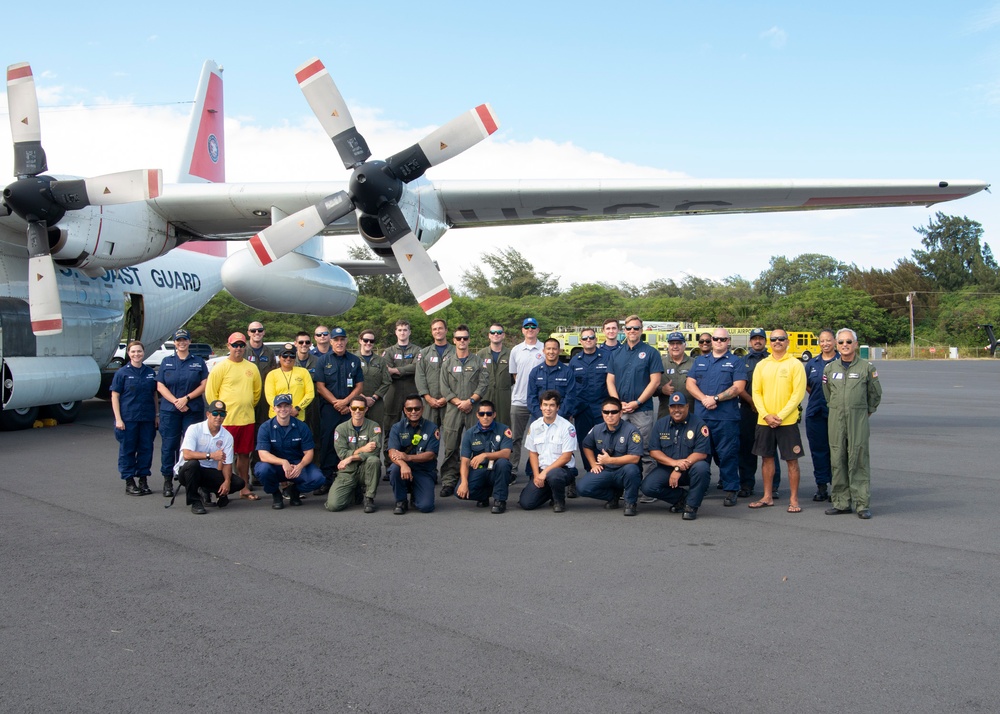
529 322
182 334
676 337
757 332
338 332
236 337
678 399
217 406
282 399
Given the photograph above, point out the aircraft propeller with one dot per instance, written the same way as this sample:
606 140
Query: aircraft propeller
375 186
42 201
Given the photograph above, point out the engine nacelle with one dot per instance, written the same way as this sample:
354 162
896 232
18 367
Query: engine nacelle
109 238
294 283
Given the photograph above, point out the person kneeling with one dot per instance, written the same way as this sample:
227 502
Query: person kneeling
680 446
614 450
286 448
485 466
359 445
413 451
206 464
551 445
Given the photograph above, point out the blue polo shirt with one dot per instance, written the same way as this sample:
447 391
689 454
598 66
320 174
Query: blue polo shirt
416 440
182 377
714 375
623 441
478 440
817 408
680 440
286 442
339 374
632 367
136 389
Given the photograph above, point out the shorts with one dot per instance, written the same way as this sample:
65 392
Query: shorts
244 438
784 440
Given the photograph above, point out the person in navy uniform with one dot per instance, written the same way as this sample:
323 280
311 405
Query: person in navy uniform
590 367
413 451
715 382
817 414
614 449
485 467
681 448
339 378
286 449
181 383
133 400
552 374
634 375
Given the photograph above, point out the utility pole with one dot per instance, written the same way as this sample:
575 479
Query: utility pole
909 299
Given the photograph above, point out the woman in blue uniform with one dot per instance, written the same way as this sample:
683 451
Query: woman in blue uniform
133 400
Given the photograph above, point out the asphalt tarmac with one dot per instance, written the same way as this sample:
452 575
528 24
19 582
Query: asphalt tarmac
114 603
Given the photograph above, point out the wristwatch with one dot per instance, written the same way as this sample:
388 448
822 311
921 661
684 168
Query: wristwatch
716 398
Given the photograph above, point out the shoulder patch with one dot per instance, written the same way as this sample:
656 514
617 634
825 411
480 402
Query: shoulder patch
704 429
437 433
508 433
636 438
378 430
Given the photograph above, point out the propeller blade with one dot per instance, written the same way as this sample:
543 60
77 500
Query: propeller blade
289 233
330 108
425 282
109 189
443 143
44 305
22 103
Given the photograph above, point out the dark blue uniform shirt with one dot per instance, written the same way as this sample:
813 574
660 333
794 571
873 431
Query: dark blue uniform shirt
632 367
339 374
136 392
817 408
560 378
478 440
591 372
425 437
182 377
680 440
623 441
714 375
286 442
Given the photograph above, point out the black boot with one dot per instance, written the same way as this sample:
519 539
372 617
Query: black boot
293 495
279 503
144 488
168 487
130 488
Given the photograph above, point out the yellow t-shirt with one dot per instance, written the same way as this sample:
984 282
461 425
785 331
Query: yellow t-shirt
298 382
779 386
238 385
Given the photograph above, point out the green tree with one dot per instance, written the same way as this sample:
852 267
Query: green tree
785 276
955 256
390 287
513 277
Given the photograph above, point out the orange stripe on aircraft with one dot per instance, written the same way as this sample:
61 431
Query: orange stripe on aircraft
19 72
435 299
257 245
486 118
40 325
306 72
152 184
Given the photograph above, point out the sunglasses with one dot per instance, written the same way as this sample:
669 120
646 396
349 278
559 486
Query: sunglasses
588 339
287 355
531 327
412 409
485 413
304 342
704 342
496 332
720 339
367 341
633 329
357 409
779 339
611 411
256 329
322 334
217 413
238 345
845 342
462 339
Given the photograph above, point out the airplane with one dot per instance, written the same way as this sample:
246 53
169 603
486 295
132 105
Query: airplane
115 238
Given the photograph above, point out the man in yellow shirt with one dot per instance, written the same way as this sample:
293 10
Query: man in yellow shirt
237 383
779 386
290 379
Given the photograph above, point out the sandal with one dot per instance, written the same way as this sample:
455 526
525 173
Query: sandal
250 496
795 509
760 504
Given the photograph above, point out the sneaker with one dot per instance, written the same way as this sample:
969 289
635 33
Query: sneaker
571 491
144 488
369 505
400 508
629 509
279 503
499 506
130 488
648 499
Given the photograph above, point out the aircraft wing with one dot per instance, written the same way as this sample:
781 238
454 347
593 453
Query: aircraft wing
477 203
233 211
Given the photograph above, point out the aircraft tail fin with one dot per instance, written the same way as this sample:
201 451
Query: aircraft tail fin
204 158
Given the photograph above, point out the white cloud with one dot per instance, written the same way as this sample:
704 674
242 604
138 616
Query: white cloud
776 37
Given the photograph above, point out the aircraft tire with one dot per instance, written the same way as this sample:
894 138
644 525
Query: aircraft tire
64 413
17 419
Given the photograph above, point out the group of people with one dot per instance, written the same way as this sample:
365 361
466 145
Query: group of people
315 417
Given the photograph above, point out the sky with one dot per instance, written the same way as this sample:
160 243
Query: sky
711 89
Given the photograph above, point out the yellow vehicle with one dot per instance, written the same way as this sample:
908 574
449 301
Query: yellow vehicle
804 345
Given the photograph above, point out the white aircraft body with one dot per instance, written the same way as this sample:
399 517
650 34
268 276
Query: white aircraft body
115 237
